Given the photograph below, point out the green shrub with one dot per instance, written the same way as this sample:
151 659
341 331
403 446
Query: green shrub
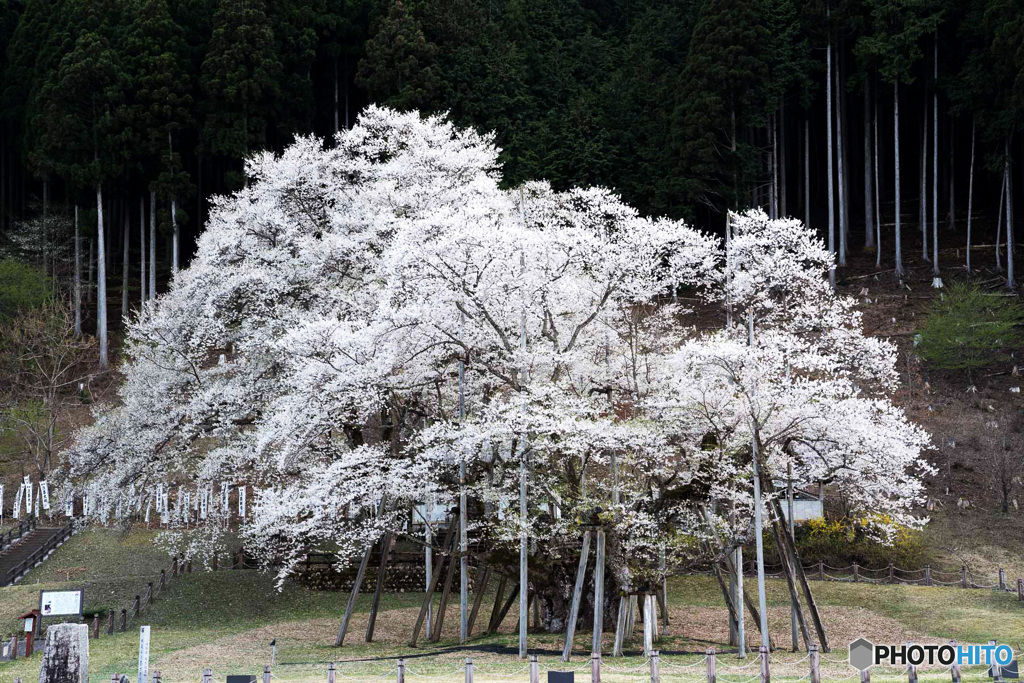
22 287
841 542
970 329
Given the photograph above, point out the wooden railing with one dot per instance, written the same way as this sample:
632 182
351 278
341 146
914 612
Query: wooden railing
9 537
38 555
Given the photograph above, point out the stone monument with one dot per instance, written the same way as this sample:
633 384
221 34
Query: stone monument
66 654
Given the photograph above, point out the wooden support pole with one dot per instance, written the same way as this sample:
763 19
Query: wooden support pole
506 607
712 665
794 594
620 627
1002 579
577 595
815 664
664 588
479 589
595 667
963 576
428 598
765 672
648 617
655 658
442 608
350 607
492 623
382 569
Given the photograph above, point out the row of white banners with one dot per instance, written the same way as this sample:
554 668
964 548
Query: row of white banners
202 502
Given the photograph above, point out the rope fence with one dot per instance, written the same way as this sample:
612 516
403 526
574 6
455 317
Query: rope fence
654 668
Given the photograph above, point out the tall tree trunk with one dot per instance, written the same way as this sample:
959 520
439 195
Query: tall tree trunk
807 171
842 183
335 95
345 78
774 199
175 238
1010 282
78 276
46 225
199 195
951 225
782 157
124 270
152 244
142 251
935 166
831 187
896 147
869 228
88 291
970 197
844 141
999 222
922 208
101 279
878 187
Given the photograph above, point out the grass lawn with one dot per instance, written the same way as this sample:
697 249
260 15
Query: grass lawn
225 620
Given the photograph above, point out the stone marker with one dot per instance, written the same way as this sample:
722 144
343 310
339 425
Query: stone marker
66 654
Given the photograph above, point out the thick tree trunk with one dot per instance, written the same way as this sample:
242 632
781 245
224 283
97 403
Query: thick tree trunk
101 279
869 228
152 244
78 276
896 175
831 186
970 198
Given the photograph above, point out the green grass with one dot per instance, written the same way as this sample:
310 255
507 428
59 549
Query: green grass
224 620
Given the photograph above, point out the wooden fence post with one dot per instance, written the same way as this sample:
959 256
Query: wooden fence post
765 673
110 626
927 575
214 562
1002 579
892 573
188 566
163 580
865 675
124 620
114 678
954 668
174 566
207 676
856 573
96 625
149 593
655 667
330 672
266 674
14 647
1020 590
821 570
136 607
812 653
534 669
595 667
963 576
712 665
469 670
911 673
156 676
401 671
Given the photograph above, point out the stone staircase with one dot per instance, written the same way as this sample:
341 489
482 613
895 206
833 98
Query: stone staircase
30 549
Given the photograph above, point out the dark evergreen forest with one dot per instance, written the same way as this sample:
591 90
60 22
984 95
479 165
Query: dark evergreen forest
132 114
